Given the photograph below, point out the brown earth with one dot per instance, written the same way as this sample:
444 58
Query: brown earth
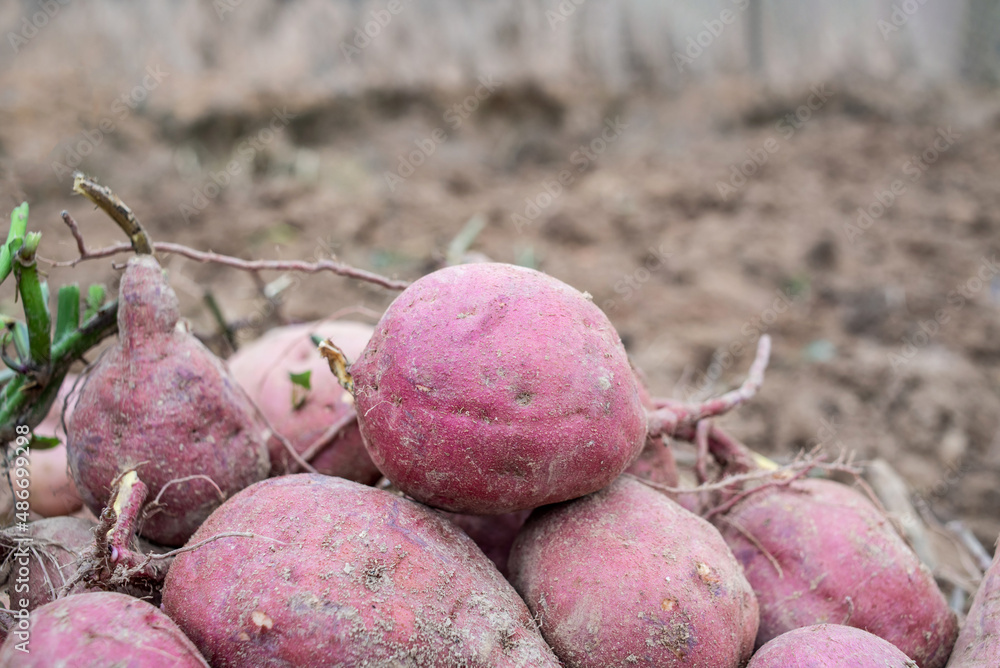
683 273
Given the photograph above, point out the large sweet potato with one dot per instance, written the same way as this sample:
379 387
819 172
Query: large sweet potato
160 401
978 644
819 552
627 577
96 630
303 416
490 388
340 574
829 646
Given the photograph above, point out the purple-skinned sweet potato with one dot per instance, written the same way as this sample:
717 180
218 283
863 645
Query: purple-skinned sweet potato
978 644
162 402
627 577
340 574
303 416
829 646
819 552
96 630
490 388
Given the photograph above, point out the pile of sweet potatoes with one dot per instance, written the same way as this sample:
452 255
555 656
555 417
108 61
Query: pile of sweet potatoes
503 412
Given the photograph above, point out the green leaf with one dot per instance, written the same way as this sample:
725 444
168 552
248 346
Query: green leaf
316 339
95 298
68 312
301 384
301 379
43 442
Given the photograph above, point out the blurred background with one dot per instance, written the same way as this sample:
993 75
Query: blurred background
708 171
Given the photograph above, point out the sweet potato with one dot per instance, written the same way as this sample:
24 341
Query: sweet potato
302 416
99 629
161 402
627 577
820 552
51 489
829 646
40 567
490 388
340 574
978 644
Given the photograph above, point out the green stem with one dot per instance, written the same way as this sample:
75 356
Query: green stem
25 401
18 226
36 307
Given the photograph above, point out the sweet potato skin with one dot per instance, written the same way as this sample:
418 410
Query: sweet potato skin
978 644
489 388
161 401
829 646
627 577
340 574
841 563
262 368
99 629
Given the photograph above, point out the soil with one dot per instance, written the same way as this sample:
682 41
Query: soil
876 350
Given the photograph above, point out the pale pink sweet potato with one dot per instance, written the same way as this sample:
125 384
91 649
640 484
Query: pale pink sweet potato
51 489
829 646
978 644
304 416
96 630
340 574
494 534
627 577
490 388
160 401
819 552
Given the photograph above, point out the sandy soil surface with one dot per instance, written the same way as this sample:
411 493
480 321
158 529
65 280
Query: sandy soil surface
886 333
